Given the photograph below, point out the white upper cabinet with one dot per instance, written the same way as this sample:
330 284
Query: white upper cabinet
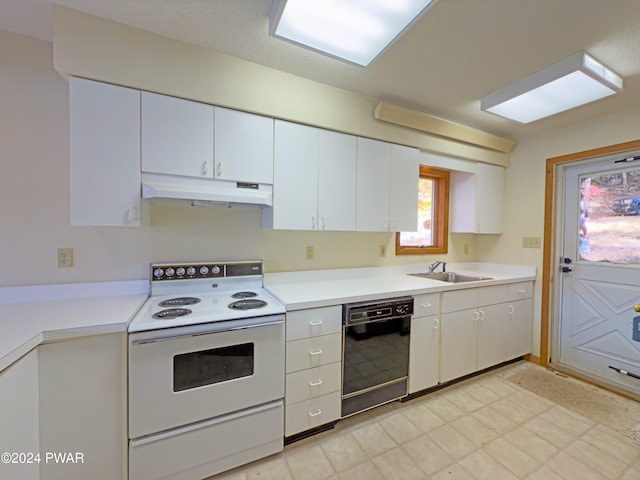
314 179
243 146
387 187
336 181
404 175
295 182
104 127
477 200
177 136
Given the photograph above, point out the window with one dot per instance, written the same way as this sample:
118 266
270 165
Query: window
433 216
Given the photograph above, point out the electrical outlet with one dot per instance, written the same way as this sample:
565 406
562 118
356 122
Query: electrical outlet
383 250
65 257
309 253
531 242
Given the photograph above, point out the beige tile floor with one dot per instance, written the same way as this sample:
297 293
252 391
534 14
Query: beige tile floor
483 428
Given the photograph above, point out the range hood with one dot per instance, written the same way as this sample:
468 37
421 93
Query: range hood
202 192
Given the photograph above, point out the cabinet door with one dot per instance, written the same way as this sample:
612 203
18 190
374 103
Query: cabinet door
19 416
489 198
177 136
520 328
492 334
372 189
424 353
295 182
104 150
82 407
243 146
336 181
404 175
458 344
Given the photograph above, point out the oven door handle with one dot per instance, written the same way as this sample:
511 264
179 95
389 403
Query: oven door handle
206 332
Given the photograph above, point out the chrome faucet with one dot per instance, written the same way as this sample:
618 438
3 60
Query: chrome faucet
436 264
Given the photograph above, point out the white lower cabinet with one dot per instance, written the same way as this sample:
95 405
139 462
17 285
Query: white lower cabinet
66 402
313 368
82 407
19 418
424 344
482 327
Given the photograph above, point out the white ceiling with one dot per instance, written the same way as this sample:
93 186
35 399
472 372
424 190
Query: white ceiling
456 53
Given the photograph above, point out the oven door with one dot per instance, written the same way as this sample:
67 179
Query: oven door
184 375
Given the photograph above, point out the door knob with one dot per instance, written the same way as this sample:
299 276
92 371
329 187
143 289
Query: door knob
637 308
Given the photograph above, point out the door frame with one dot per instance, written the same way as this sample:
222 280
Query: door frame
551 196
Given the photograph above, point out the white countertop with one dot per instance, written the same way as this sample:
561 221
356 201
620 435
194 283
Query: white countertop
30 316
320 288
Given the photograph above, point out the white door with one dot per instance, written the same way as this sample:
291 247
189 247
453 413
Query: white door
600 256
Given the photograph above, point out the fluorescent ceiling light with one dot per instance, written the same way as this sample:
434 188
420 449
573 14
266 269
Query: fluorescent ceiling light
574 81
353 30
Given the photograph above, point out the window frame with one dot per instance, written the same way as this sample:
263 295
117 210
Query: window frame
441 179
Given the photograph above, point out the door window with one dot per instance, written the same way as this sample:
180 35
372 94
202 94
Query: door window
206 367
609 217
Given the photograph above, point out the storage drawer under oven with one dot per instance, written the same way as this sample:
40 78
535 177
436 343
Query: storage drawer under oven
189 374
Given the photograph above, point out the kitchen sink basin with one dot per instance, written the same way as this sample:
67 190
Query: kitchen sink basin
450 277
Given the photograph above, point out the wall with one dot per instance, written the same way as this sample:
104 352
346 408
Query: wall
34 194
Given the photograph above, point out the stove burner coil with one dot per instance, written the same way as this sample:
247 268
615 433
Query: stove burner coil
244 295
171 313
179 302
247 304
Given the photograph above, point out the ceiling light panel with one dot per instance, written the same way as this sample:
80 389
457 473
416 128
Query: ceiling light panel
575 81
353 30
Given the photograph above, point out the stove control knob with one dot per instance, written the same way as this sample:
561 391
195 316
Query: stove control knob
158 272
204 270
191 271
180 271
170 272
215 270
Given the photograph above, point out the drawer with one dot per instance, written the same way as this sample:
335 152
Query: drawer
519 291
313 352
313 382
311 413
314 322
459 300
426 304
492 295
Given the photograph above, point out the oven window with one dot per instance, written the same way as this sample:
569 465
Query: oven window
206 367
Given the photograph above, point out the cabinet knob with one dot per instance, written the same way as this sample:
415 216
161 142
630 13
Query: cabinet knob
205 168
316 413
436 324
315 324
510 309
219 169
316 383
317 352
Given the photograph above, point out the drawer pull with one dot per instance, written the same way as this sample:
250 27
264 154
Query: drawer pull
522 291
510 310
316 383
317 352
316 413
315 324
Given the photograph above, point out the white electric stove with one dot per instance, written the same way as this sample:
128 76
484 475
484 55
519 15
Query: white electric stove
206 371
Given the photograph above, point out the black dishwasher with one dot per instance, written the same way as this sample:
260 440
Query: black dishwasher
375 352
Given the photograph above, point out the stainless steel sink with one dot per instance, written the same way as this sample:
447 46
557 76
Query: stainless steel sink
450 277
